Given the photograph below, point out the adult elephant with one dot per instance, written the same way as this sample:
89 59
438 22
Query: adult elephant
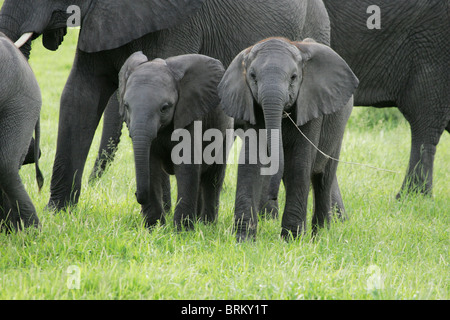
112 30
404 64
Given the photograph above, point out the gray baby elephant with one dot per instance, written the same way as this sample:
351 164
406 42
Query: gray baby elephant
20 105
314 85
156 99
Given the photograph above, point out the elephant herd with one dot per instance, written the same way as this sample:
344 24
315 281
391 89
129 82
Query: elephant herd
284 69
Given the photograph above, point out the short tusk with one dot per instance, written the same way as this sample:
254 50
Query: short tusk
23 39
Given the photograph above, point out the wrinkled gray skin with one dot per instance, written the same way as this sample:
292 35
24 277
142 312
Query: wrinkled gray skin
312 83
161 96
413 45
20 105
405 64
111 30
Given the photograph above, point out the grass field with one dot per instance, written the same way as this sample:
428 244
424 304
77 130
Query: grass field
388 249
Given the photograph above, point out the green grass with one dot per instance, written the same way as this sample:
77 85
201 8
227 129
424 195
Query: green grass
404 243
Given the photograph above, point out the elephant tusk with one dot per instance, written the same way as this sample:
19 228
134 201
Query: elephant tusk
23 39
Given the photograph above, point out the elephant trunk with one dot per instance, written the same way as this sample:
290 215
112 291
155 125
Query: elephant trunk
272 103
142 138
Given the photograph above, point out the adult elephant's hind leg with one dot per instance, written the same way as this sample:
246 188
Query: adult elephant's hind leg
425 106
82 103
419 177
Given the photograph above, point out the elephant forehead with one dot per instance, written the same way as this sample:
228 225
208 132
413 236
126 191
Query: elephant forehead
274 61
276 46
152 74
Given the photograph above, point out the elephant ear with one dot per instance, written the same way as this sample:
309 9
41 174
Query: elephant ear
110 24
328 82
198 77
235 95
134 61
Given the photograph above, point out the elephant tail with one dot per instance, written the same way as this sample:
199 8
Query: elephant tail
37 138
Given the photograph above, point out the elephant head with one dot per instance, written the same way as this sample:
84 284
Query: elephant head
275 75
156 94
105 24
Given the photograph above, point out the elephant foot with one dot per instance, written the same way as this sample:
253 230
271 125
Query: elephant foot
184 224
151 220
339 214
32 221
18 225
206 219
291 234
150 224
245 237
167 206
245 233
269 210
405 192
416 183
57 206
7 226
51 207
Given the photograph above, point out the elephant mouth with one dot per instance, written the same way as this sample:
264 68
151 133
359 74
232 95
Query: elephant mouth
53 35
52 39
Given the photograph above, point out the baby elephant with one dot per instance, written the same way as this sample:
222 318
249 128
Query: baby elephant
20 105
314 86
158 98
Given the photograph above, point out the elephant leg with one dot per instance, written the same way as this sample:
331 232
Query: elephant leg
251 187
333 128
17 208
269 204
5 212
20 210
419 177
322 185
82 103
188 183
153 210
112 130
211 186
426 112
296 182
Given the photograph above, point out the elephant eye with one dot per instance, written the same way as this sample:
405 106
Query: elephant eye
294 77
253 76
165 107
